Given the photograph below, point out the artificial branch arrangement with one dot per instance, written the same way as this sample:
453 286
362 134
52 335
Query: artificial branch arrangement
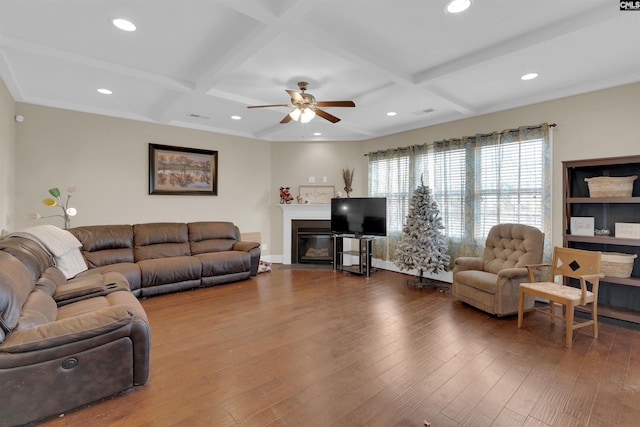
347 177
67 212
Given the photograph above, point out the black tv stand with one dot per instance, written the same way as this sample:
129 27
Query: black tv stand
363 254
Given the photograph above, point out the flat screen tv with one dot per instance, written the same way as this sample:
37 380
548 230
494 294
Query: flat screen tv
360 216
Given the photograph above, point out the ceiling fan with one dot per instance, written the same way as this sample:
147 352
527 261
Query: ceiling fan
306 106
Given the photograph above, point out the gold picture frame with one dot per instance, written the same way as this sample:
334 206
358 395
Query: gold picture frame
182 171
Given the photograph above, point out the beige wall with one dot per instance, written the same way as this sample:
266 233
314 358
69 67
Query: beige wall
604 123
107 159
292 163
7 144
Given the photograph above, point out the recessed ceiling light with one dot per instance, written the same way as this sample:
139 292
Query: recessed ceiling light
124 25
236 117
457 6
317 133
391 113
104 91
529 76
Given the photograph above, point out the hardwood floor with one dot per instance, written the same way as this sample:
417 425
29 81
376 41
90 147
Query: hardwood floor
323 348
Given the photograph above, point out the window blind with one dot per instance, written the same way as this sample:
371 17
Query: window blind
478 182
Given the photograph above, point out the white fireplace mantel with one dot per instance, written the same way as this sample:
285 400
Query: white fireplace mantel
299 211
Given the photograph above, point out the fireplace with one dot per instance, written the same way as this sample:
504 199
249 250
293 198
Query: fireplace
294 211
311 242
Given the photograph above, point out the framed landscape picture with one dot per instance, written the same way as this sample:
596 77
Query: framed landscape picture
182 171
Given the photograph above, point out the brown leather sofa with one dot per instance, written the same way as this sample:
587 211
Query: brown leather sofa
158 258
67 342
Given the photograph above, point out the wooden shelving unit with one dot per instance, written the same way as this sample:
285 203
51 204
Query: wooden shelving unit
619 298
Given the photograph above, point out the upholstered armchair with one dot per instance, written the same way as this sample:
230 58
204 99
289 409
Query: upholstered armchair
491 282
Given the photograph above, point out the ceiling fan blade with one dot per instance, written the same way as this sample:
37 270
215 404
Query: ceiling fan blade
295 95
272 105
335 104
327 116
286 119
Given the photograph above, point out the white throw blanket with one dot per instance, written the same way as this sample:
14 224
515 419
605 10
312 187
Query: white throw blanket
62 245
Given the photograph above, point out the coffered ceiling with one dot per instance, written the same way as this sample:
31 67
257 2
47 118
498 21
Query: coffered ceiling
197 63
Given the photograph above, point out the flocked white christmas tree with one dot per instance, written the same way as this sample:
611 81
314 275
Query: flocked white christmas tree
423 246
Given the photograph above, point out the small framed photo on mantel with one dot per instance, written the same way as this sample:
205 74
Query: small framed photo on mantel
312 194
182 171
582 225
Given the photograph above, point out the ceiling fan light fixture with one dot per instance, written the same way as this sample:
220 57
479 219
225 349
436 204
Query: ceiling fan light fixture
305 106
295 114
307 115
457 6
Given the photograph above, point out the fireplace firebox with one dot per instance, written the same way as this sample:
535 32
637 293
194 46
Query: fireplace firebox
311 242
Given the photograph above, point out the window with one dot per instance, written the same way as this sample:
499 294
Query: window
390 179
512 192
446 174
477 181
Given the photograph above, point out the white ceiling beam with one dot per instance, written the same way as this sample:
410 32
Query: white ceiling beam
74 58
515 44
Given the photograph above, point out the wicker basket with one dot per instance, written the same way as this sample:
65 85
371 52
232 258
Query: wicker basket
610 186
615 264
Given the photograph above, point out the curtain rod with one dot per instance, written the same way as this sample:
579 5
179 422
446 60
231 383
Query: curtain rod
551 125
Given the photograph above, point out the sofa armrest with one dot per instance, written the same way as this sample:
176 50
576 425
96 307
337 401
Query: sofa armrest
513 273
508 281
70 330
468 263
245 246
90 286
507 295
254 251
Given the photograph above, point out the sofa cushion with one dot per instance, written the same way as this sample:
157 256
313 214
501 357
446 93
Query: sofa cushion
50 280
105 244
512 245
61 244
16 284
68 330
130 270
39 309
29 252
108 257
227 262
160 240
482 280
212 236
162 271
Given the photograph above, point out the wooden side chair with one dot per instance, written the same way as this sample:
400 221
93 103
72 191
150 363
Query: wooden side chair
584 266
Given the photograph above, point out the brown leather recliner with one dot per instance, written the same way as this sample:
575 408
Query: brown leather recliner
491 282
64 343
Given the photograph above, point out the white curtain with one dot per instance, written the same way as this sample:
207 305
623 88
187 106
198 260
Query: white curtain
478 182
